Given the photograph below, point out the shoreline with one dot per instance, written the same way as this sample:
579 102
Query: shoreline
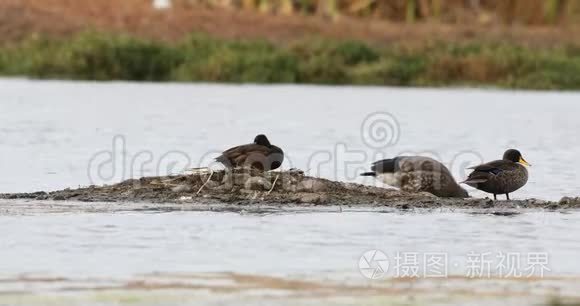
462 89
37 207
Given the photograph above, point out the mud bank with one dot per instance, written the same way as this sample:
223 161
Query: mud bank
245 188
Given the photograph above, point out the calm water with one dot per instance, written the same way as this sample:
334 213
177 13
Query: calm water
317 244
59 134
111 258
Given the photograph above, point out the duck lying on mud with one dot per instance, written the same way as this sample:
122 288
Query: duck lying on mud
260 155
417 174
502 176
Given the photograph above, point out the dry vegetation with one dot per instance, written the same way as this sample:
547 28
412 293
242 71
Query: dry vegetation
20 18
406 43
410 11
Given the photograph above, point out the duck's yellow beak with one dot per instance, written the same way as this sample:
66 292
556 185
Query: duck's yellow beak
524 162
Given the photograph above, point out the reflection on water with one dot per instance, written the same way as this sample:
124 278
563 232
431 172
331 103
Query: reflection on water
51 130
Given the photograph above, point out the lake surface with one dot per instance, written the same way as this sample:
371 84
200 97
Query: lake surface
64 134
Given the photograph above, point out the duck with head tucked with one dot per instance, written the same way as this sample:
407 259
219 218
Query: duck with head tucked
417 174
502 176
260 155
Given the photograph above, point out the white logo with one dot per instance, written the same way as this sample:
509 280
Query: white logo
380 130
373 264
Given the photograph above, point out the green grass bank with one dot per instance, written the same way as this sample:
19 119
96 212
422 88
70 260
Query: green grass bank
199 58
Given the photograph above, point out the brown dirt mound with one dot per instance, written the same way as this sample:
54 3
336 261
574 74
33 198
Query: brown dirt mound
250 188
239 186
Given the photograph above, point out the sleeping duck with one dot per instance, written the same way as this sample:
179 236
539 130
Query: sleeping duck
260 155
417 174
502 176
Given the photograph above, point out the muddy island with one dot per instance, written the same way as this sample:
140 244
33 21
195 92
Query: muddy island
244 187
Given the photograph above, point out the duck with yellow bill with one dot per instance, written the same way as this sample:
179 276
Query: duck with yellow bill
502 176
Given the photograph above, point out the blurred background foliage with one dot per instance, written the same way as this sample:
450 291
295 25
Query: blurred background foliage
530 44
410 11
198 57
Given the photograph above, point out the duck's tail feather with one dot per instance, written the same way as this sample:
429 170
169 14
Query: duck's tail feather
385 166
473 181
224 160
368 174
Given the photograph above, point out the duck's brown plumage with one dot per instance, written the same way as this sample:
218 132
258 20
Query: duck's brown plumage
417 174
500 176
259 155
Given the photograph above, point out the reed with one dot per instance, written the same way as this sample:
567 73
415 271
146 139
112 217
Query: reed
411 8
552 9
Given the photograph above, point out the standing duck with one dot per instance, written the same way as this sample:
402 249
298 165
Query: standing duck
260 155
416 174
500 176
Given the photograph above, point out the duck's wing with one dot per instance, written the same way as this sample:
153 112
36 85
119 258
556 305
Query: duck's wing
408 164
420 163
237 155
482 173
494 167
227 154
476 178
